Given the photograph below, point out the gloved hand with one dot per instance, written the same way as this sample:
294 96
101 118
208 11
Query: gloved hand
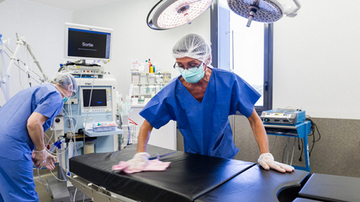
39 157
50 161
138 162
266 160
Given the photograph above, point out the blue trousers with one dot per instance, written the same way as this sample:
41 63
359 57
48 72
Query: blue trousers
17 182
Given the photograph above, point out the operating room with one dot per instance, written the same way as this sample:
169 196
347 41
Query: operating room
315 67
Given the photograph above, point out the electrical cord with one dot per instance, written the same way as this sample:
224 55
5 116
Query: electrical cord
301 147
314 129
88 111
57 177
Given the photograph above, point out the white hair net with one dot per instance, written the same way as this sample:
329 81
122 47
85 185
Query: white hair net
193 46
67 81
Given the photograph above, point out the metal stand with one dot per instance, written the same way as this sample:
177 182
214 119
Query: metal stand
5 73
302 129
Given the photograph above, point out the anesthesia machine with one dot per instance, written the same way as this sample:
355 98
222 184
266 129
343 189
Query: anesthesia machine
87 123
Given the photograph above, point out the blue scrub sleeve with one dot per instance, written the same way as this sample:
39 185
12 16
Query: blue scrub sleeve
49 105
157 112
243 97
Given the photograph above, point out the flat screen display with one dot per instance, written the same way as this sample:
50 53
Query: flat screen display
98 97
88 44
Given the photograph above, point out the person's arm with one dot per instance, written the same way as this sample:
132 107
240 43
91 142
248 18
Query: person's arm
36 131
266 160
141 158
144 136
259 132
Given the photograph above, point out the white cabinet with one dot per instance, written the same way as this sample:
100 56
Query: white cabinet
164 137
146 85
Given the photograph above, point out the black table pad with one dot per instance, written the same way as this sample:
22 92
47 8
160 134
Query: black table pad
188 177
331 188
255 184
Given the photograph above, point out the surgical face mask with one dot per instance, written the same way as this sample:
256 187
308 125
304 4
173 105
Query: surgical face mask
65 99
192 75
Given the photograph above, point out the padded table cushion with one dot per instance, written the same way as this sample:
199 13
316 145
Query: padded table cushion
255 184
188 177
331 188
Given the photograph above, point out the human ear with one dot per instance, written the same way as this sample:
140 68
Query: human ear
69 87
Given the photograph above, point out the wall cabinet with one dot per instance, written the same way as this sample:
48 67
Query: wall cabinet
146 85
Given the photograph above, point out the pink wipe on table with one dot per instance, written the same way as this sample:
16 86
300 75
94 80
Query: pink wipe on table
153 165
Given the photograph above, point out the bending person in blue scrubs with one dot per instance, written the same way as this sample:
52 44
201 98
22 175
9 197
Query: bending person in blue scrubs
200 100
23 120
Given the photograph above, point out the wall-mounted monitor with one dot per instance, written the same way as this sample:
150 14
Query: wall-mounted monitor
87 42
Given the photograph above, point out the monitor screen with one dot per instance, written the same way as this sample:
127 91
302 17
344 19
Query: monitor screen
87 42
98 97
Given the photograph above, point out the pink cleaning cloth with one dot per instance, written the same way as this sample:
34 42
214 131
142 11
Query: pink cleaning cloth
153 165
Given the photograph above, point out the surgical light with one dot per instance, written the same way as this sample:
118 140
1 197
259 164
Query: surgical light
174 13
267 11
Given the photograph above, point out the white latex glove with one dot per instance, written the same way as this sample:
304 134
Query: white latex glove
39 157
43 158
266 160
50 161
138 162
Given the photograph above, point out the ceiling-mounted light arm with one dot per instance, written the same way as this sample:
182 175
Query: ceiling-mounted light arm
150 24
253 8
291 11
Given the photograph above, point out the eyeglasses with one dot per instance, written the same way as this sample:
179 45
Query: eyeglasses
191 66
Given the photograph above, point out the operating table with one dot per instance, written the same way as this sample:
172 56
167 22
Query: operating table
199 178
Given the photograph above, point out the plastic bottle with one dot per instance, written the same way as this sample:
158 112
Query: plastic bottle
150 66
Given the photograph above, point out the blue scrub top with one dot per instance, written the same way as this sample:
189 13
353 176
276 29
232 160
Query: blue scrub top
15 142
204 125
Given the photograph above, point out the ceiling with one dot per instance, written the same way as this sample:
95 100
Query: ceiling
72 5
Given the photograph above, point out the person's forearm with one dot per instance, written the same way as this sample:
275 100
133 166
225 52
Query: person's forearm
259 132
261 138
36 133
144 135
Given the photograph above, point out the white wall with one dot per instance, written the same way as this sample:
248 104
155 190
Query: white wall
134 40
316 60
43 28
316 63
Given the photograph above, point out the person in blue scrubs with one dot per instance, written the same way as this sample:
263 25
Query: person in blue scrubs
200 100
23 120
